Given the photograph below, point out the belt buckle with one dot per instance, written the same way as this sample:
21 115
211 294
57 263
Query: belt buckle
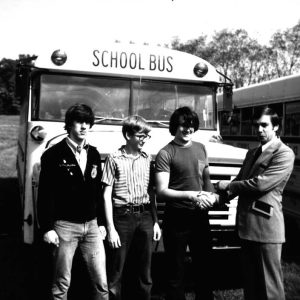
137 208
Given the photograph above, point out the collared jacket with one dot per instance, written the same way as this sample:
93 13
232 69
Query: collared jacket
65 193
263 180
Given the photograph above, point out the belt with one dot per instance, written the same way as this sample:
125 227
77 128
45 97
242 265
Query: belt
134 208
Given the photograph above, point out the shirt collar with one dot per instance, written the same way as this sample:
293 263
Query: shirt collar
74 145
124 153
265 146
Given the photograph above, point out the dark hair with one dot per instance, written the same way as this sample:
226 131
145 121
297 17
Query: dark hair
189 116
267 111
134 124
79 112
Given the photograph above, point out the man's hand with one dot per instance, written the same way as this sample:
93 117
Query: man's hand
193 196
222 188
113 238
102 231
51 237
206 200
156 232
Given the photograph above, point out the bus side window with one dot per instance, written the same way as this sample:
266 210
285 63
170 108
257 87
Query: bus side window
292 119
246 128
235 122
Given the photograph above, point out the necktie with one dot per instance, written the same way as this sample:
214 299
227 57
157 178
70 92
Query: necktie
78 149
81 156
257 153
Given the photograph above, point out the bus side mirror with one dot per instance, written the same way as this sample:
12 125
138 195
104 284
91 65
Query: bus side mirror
21 83
24 63
227 97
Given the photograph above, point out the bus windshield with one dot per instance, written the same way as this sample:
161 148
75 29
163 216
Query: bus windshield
113 99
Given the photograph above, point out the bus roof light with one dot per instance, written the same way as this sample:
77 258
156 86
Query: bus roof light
200 69
59 57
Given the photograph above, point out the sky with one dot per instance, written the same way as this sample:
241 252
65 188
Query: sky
31 26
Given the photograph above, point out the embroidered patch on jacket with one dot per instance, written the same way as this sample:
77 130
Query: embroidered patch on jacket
94 171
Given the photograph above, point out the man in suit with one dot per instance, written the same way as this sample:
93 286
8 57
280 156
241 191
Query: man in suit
260 223
69 204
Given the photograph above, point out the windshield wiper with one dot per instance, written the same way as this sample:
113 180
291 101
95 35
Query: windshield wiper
101 119
159 122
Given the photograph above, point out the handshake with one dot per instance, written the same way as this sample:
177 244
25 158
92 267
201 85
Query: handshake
206 200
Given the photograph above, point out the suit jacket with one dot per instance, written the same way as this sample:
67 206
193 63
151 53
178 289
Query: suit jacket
263 180
64 192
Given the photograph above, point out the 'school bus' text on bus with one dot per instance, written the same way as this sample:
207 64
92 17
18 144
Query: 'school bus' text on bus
123 60
282 95
117 81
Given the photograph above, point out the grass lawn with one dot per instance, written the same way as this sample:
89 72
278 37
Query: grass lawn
8 145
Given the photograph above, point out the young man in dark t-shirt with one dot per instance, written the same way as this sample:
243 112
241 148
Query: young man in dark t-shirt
183 182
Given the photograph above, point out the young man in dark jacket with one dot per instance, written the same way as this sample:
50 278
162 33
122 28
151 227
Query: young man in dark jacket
69 204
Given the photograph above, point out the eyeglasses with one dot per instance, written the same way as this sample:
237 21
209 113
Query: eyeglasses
187 125
143 137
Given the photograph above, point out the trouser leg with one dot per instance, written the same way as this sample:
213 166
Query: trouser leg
125 226
271 258
201 251
143 242
263 279
93 253
62 259
175 243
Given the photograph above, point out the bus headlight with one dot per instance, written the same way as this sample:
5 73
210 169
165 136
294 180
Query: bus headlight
38 133
200 69
59 57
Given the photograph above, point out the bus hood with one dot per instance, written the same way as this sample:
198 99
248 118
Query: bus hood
108 139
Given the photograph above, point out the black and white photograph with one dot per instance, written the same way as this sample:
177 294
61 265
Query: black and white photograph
149 150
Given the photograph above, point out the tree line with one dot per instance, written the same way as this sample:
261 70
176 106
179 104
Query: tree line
8 102
233 52
243 59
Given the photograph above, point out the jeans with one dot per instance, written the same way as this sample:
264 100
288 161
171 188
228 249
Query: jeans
86 236
136 233
182 228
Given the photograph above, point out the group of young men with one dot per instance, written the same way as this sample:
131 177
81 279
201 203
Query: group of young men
80 205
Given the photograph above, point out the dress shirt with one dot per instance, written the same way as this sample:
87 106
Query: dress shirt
81 155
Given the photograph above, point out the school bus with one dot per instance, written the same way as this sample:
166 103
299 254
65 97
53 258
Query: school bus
118 80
